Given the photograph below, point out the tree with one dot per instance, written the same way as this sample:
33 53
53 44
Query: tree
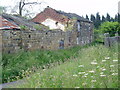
98 20
112 19
116 17
110 27
92 18
103 18
2 9
108 18
22 3
87 17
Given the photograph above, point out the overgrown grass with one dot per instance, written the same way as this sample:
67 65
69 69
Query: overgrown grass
0 67
14 65
94 67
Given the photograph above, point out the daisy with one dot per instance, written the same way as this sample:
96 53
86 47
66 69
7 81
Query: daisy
93 81
74 75
111 65
92 71
103 75
81 66
93 63
115 60
107 58
103 60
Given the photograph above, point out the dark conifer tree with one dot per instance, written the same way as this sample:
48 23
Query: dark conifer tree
98 20
108 18
87 17
103 18
92 18
112 19
116 18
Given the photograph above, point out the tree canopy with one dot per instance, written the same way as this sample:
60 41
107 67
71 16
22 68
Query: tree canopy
110 27
98 19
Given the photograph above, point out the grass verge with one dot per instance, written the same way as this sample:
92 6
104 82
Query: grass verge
94 67
17 66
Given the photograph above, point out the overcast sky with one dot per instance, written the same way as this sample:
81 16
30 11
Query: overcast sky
80 7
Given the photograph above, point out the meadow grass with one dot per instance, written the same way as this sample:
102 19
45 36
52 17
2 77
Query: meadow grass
0 67
17 66
94 67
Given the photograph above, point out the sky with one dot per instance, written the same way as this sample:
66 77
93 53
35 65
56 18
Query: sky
80 7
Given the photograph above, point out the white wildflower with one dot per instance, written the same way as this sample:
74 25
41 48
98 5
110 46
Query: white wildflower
114 74
93 81
81 66
112 70
115 60
103 69
107 58
86 74
92 71
92 76
103 75
112 65
77 87
74 75
81 72
93 63
103 60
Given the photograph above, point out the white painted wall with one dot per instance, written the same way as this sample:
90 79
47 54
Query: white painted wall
52 24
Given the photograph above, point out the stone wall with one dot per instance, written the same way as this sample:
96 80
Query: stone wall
86 34
110 41
14 41
0 42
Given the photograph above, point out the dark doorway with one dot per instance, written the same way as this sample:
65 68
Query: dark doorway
61 44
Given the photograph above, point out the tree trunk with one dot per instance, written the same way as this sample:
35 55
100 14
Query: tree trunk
20 10
21 5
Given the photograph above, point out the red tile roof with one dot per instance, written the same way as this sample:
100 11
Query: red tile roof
5 24
50 13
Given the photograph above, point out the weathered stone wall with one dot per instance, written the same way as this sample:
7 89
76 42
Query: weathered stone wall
14 41
110 41
0 42
85 34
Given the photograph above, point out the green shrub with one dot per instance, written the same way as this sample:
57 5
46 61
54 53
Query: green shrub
110 27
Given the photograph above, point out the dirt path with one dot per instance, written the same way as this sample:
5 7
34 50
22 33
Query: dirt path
12 84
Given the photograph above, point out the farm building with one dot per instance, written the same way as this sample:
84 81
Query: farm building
61 20
69 30
66 22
